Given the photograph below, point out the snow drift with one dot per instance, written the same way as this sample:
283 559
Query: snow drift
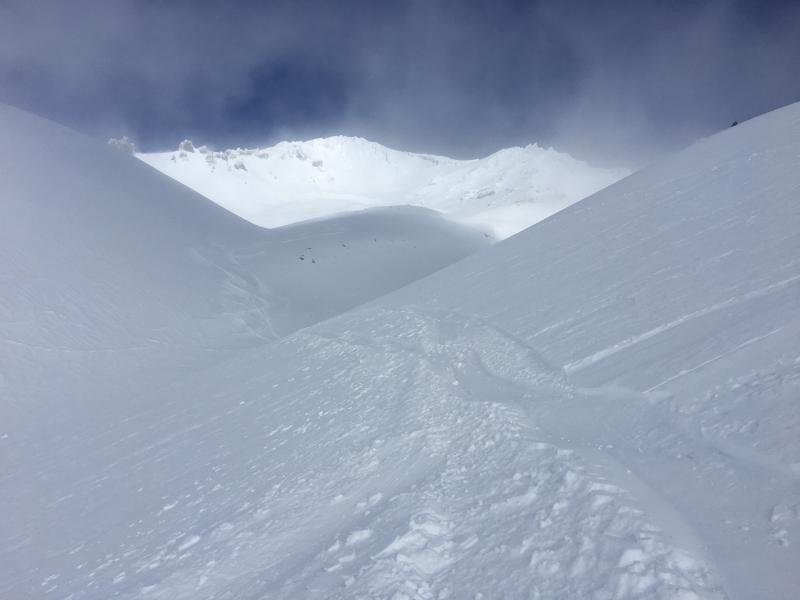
292 181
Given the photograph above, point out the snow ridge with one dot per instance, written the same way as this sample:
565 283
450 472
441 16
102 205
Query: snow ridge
292 181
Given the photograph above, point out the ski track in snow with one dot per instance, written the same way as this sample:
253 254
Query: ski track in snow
252 308
578 365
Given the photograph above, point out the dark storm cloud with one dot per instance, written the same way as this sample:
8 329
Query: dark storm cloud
611 81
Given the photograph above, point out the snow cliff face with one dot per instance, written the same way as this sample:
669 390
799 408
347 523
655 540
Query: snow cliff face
293 181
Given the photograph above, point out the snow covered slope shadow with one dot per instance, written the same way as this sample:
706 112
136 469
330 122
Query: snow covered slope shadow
292 181
672 301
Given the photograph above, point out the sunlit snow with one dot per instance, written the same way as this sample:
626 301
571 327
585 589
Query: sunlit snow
503 193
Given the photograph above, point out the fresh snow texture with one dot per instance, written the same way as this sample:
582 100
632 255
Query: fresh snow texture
604 406
292 181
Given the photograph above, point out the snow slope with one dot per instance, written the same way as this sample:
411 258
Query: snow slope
292 181
111 272
671 302
604 406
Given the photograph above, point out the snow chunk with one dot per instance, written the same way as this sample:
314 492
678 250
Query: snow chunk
188 543
358 537
123 144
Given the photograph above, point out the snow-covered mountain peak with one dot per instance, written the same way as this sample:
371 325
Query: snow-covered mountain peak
298 180
341 150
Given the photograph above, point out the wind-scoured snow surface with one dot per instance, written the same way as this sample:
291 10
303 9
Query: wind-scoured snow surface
292 181
604 406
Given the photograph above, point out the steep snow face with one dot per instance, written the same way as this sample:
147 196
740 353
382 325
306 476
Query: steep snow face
292 181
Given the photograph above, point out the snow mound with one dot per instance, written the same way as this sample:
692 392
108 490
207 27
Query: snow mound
293 181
